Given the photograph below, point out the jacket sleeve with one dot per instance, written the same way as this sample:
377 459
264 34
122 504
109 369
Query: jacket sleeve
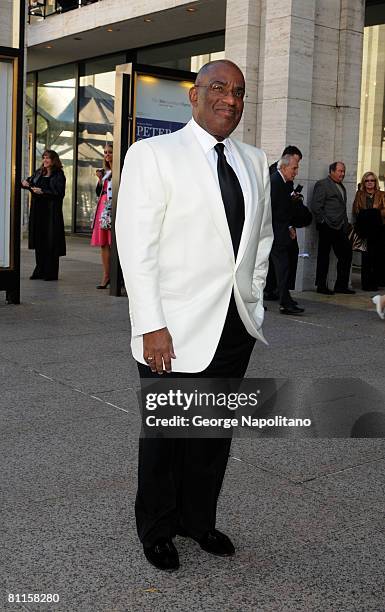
318 201
265 239
141 207
99 188
382 205
57 186
356 204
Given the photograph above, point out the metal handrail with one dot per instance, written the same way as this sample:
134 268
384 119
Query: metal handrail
40 9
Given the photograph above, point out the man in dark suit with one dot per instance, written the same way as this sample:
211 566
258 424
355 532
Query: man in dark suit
329 207
271 290
284 232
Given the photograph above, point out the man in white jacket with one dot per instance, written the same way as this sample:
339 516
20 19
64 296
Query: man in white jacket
194 233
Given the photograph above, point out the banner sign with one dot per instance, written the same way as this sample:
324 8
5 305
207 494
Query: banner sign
162 106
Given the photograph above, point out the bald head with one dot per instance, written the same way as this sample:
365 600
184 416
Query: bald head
217 97
211 66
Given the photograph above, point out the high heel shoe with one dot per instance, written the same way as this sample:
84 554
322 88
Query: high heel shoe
106 284
377 302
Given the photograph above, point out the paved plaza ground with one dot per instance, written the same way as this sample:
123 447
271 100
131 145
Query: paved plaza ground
306 516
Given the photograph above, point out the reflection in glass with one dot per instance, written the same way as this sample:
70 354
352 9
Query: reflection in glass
96 120
371 150
6 93
55 124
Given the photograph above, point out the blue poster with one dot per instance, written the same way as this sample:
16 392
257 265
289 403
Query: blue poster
146 128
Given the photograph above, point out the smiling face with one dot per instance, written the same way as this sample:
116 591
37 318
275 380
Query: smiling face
47 161
217 98
107 153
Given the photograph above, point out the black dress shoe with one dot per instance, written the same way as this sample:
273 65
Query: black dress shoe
294 302
163 555
344 290
291 310
325 291
217 543
214 542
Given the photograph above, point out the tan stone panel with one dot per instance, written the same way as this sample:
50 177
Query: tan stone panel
273 127
301 59
242 45
352 15
350 68
346 140
325 64
322 136
328 13
298 132
297 8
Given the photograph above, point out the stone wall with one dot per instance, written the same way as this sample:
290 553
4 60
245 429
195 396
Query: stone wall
302 61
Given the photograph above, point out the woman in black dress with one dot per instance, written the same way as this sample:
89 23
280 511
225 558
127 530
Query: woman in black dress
369 214
46 224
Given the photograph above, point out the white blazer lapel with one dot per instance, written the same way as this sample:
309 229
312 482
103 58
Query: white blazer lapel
211 193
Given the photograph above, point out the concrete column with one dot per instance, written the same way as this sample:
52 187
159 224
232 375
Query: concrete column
372 101
302 60
242 47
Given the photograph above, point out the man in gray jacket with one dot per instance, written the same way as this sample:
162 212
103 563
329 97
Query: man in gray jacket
329 207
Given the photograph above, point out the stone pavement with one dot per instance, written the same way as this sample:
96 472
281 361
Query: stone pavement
306 516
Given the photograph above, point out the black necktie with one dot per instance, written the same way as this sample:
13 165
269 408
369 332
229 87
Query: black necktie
232 197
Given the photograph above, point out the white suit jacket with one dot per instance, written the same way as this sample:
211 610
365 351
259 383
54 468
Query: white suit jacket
175 246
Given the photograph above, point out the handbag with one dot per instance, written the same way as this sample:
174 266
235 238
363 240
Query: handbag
105 217
300 214
358 243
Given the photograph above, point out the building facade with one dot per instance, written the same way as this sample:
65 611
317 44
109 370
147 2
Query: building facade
303 61
12 27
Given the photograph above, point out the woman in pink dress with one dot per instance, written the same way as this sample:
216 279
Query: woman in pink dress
101 234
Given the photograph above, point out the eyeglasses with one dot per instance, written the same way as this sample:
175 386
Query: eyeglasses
370 180
221 91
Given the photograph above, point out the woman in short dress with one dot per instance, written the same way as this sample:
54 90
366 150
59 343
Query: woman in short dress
101 230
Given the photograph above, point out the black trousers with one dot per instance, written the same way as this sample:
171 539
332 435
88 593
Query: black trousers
372 263
47 264
271 279
179 480
339 242
280 258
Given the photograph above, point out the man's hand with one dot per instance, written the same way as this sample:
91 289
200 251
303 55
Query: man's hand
25 183
293 233
158 350
37 190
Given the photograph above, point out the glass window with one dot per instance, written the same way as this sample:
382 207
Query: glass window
96 121
55 123
30 118
6 122
371 151
188 55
